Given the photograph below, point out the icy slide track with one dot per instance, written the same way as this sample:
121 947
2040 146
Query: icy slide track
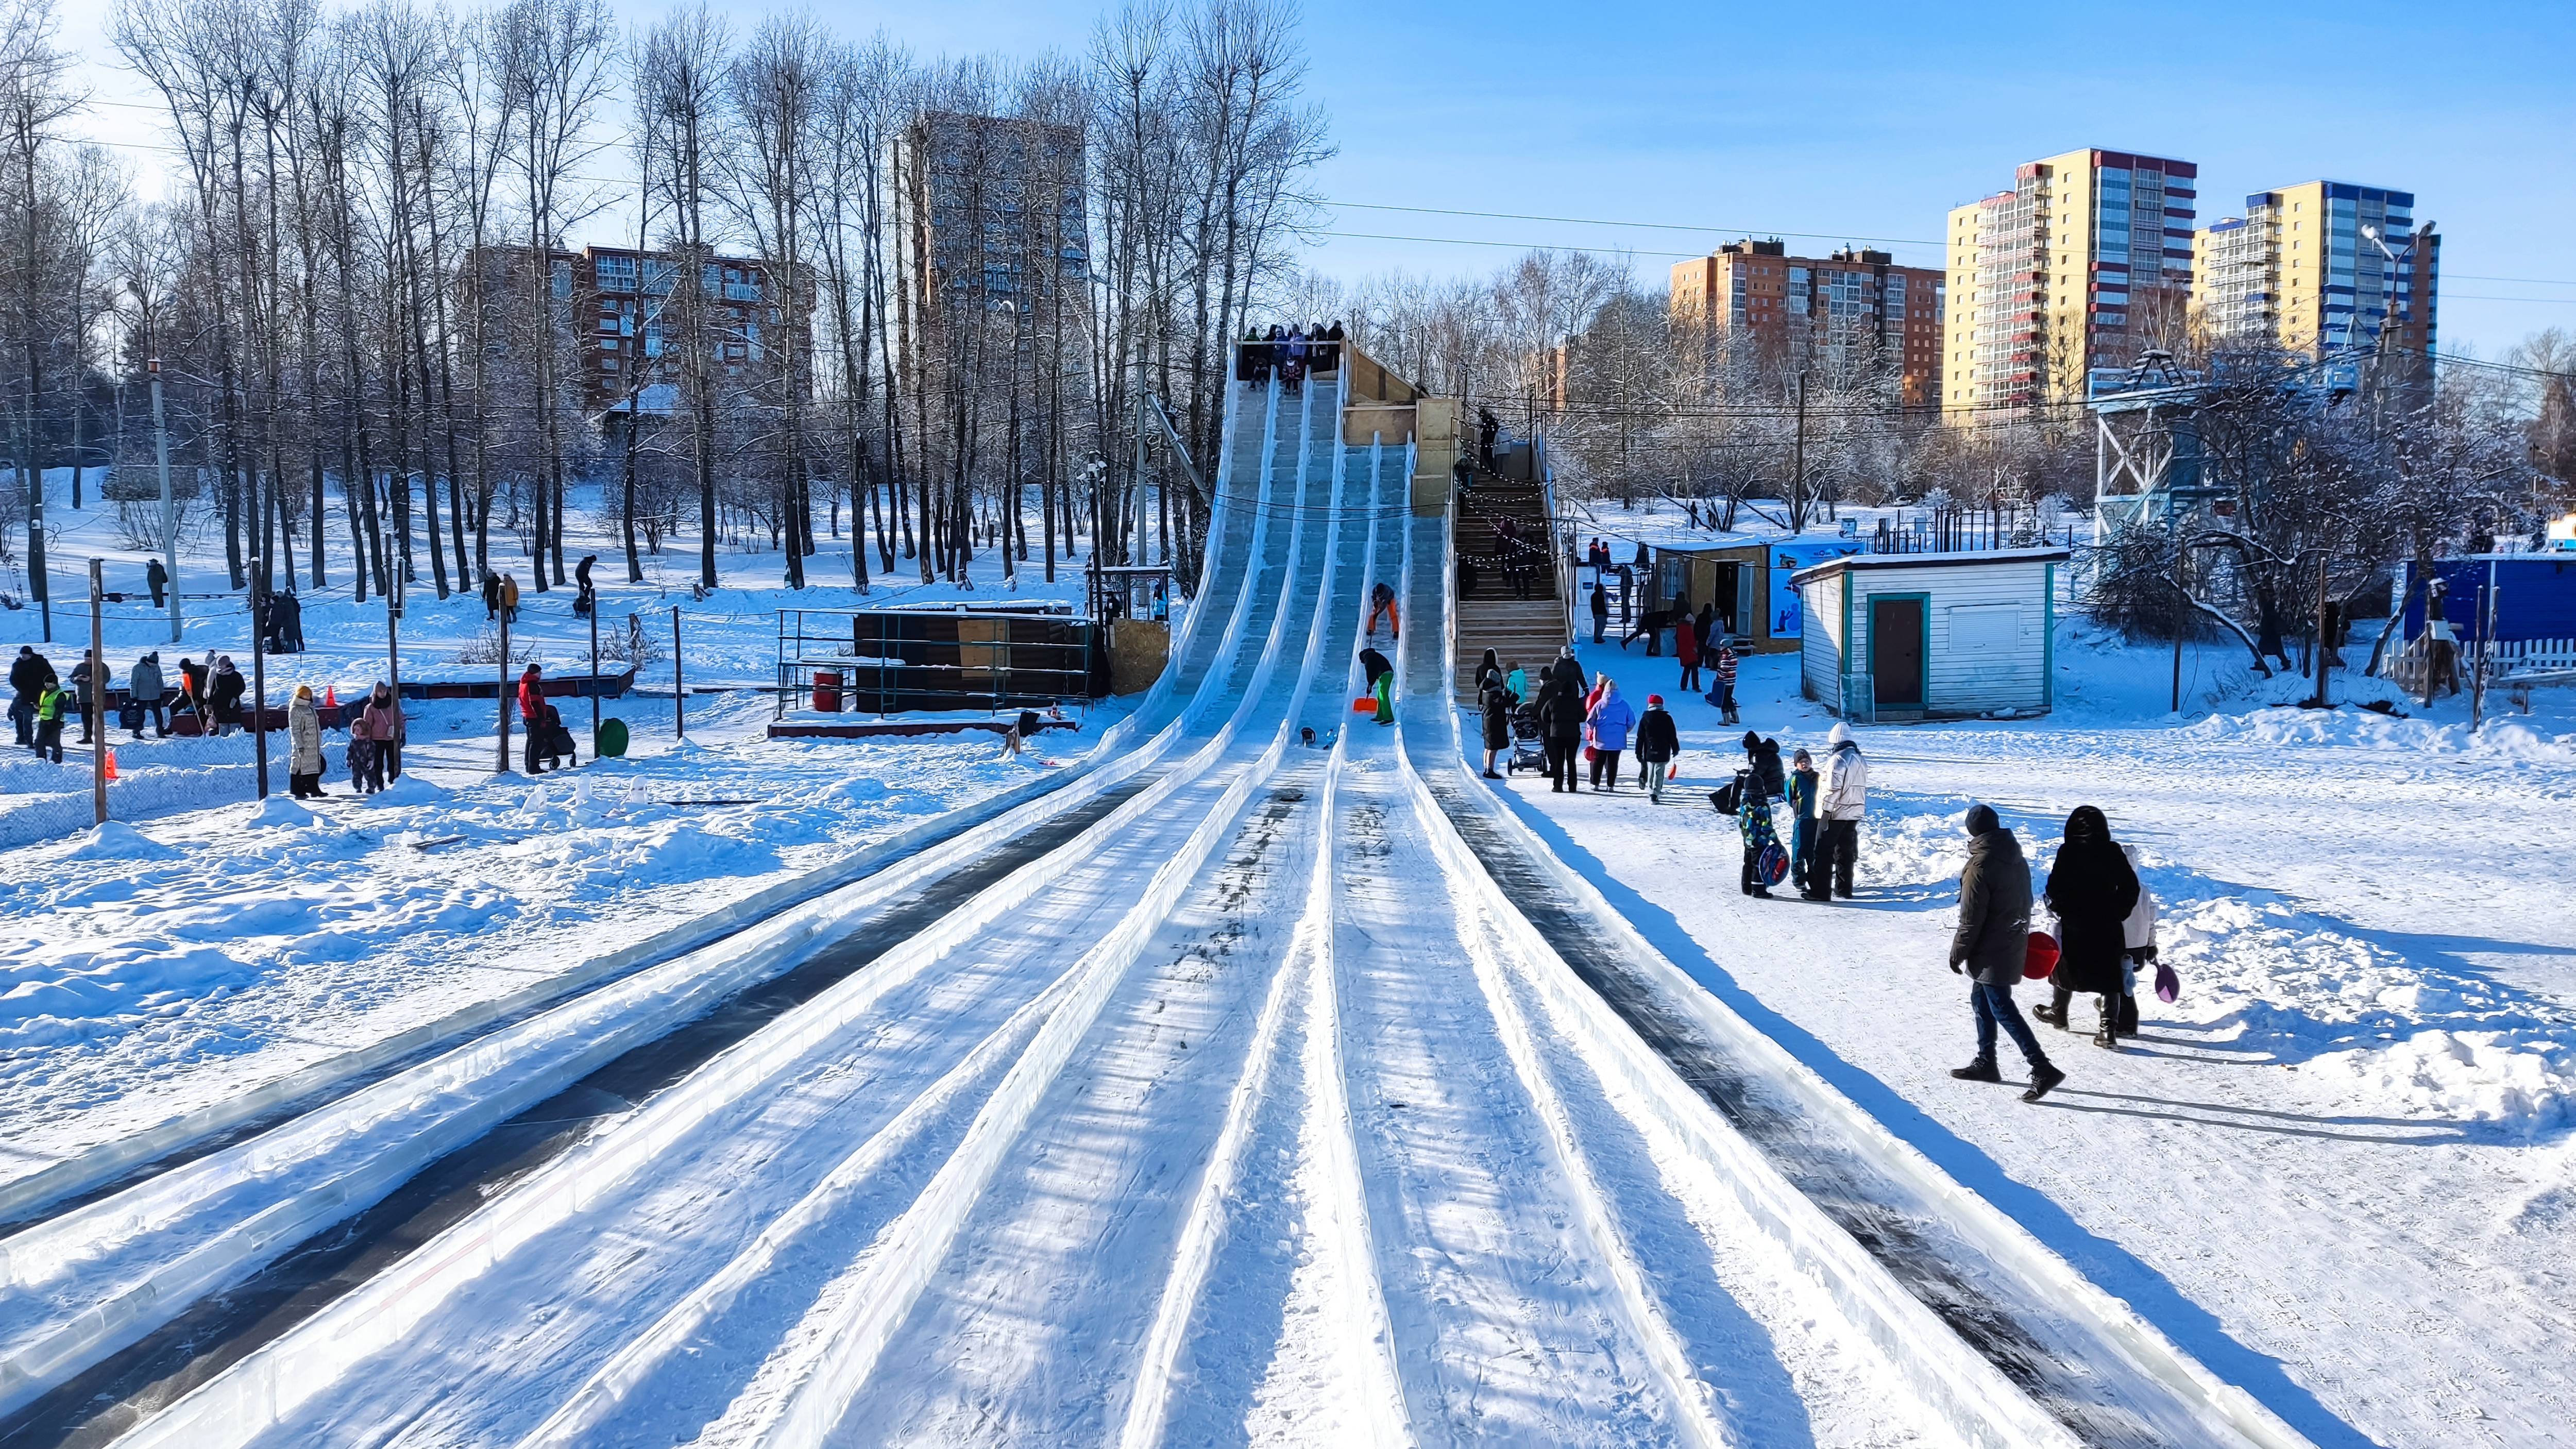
1221 1094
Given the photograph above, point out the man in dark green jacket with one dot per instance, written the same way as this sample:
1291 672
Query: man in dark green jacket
1990 946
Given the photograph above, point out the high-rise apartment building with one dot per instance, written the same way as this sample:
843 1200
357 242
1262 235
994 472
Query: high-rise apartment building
2318 268
1797 308
2065 275
613 307
988 215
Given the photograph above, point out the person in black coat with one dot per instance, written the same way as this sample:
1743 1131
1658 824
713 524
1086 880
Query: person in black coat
157 579
1372 665
29 673
1560 718
286 623
1658 742
1990 945
1567 668
224 690
1494 704
1763 758
1651 624
1600 613
1497 703
2091 890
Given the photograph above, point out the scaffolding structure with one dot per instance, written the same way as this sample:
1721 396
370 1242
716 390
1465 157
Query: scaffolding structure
889 661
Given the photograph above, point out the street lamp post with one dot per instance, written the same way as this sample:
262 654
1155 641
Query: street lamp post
169 509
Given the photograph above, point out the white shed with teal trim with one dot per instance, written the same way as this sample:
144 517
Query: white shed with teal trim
1931 635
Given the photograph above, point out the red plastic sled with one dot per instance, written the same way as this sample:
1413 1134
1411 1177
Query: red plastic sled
2041 956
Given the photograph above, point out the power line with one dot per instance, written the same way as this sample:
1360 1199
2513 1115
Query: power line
1638 225
1693 227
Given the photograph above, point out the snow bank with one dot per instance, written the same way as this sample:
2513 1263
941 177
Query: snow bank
2507 739
117 840
2392 1033
54 993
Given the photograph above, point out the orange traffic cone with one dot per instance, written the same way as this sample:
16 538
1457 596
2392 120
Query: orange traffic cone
330 696
111 764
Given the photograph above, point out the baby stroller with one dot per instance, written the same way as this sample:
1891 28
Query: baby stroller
1528 750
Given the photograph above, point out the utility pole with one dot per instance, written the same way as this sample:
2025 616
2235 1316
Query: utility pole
1798 483
96 704
169 508
2325 638
2486 648
1137 484
258 670
679 688
2182 596
501 728
594 677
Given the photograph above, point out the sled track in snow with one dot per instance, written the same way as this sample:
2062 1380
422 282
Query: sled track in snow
1226 1090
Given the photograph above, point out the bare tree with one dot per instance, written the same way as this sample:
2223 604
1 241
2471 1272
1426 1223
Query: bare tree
555 70
680 75
35 96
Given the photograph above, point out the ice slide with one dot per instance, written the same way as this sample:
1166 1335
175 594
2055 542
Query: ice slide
1230 1091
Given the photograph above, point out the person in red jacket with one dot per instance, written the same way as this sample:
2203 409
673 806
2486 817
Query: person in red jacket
532 712
1686 646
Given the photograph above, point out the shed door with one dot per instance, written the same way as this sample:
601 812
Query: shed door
1896 650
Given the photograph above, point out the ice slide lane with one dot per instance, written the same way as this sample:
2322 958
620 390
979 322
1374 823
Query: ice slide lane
80 1288
1978 1309
1250 616
113 1167
103 1296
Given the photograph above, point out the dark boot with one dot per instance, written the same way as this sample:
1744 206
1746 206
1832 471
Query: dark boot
2109 1033
1980 1070
2054 1013
2043 1080
2128 1016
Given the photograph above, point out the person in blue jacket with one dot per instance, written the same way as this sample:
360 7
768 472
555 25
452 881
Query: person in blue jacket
1609 723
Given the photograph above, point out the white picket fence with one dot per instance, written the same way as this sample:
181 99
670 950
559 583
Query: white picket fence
2510 663
2531 656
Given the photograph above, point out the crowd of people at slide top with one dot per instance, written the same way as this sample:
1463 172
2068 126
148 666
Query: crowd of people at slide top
2105 916
1288 353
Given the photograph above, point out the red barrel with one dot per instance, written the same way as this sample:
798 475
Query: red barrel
827 691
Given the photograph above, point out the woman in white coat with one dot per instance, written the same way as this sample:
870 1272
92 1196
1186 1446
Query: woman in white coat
304 737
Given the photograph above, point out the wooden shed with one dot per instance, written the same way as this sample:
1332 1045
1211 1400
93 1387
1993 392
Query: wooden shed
1748 578
1931 635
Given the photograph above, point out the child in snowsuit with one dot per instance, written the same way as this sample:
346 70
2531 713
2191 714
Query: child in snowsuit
1382 601
49 720
1753 822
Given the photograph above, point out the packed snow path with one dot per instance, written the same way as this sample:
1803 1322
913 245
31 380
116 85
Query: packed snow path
1246 1104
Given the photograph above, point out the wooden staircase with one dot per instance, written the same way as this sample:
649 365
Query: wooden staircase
1490 614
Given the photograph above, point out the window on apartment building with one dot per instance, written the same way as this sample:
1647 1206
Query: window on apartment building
616 274
608 364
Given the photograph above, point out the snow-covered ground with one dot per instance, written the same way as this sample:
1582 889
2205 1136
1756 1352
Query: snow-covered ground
2339 1169
203 944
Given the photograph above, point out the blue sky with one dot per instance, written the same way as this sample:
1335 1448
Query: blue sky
1866 123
